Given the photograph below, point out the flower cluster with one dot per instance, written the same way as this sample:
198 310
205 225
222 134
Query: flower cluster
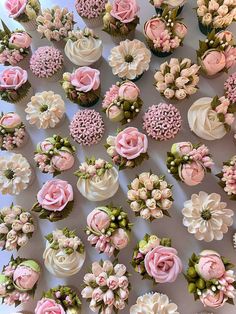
122 102
108 229
54 24
18 280
150 196
12 131
230 88
16 227
177 79
164 33
228 177
106 287
128 148
160 5
225 111
154 258
211 279
54 155
217 53
90 9
188 163
92 167
23 11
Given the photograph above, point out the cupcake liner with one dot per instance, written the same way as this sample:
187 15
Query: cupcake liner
29 26
212 76
133 80
160 10
57 76
93 23
206 29
59 44
26 98
24 63
97 63
160 54
119 38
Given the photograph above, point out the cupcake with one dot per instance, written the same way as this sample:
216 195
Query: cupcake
55 200
84 48
15 174
230 88
162 122
177 79
15 46
47 62
54 155
87 127
16 228
14 85
217 53
122 102
130 59
82 86
164 33
98 180
128 148
227 177
12 131
64 254
55 23
45 110
25 12
188 163
120 19
160 5
91 11
211 118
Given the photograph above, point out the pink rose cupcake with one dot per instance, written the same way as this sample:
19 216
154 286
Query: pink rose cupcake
188 163
55 200
82 86
91 11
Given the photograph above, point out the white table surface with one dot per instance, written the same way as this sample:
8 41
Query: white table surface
172 227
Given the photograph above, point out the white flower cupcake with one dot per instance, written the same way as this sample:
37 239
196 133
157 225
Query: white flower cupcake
45 110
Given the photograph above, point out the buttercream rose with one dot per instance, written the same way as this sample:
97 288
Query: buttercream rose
129 91
55 195
85 79
12 78
192 174
214 300
20 40
124 11
15 7
25 276
213 61
10 120
98 220
180 30
163 264
63 160
130 143
48 306
230 56
154 27
210 265
181 148
120 239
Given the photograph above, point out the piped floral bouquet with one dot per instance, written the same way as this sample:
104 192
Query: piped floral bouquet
16 227
211 279
155 259
150 196
188 162
128 148
217 53
228 177
161 5
54 155
18 281
230 88
177 79
106 287
108 229
164 33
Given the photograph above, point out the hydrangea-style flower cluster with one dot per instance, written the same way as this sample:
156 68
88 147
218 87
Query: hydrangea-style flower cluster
154 258
54 155
93 167
108 229
122 102
230 88
23 11
106 287
54 24
90 9
211 279
177 79
150 196
18 281
188 163
228 177
16 227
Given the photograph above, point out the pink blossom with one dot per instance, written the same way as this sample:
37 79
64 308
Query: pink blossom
124 11
230 56
110 96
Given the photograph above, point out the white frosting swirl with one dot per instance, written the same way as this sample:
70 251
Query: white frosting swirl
203 121
84 51
99 188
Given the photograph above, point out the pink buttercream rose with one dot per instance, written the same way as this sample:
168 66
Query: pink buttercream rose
114 113
10 120
129 91
163 264
180 30
55 195
154 27
130 143
20 40
98 220
225 35
120 239
25 277
63 160
192 174
12 78
210 265
48 306
230 56
46 146
124 11
181 148
214 300
15 7
85 79
213 62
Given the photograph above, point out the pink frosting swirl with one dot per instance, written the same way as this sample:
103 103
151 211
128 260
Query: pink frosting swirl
48 306
98 220
20 40
10 120
213 300
124 11
192 174
213 62
120 239
12 78
129 91
25 277
230 56
63 161
15 7
85 79
210 265
154 27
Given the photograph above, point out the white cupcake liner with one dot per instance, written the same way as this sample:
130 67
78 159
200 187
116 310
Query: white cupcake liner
26 99
119 38
29 26
93 23
57 76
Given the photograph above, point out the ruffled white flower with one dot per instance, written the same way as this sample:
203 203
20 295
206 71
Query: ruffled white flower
155 303
45 110
130 59
206 216
15 174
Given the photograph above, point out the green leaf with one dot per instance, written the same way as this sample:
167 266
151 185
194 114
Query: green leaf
230 301
5 28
